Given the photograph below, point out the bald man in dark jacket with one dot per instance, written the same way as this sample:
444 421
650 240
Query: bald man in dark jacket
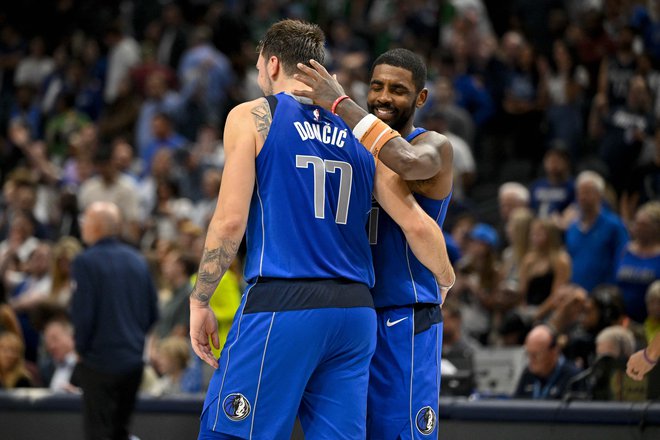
114 305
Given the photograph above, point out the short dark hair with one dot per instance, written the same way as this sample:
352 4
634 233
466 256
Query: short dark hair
404 59
293 42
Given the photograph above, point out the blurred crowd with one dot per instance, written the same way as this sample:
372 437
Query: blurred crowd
551 107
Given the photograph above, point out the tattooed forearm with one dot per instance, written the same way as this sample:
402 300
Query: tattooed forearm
213 266
262 118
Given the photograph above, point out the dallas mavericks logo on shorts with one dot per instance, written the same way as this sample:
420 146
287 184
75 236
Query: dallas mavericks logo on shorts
426 420
236 407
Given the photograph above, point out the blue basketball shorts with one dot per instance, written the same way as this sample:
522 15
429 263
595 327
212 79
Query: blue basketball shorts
404 384
294 348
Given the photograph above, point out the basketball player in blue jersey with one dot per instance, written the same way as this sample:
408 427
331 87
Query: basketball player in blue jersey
298 184
404 385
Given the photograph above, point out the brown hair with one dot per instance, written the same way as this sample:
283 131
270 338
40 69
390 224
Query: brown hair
293 42
10 378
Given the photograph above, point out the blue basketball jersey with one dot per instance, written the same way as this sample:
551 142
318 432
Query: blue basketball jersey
311 200
400 278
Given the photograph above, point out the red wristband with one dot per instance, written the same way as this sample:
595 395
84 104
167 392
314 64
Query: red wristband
336 103
648 359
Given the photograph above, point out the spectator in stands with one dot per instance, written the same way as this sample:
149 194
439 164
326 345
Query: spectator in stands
173 36
119 117
547 373
596 232
442 98
203 60
524 104
457 347
18 246
510 195
603 307
25 109
643 182
617 70
179 372
64 251
175 312
111 186
36 66
204 207
614 345
124 158
8 320
652 322
478 281
159 98
464 166
517 233
565 82
123 54
569 308
30 293
24 200
58 372
162 168
170 209
639 264
12 49
62 125
555 192
621 131
544 269
164 137
13 372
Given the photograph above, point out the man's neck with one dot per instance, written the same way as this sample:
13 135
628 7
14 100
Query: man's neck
287 85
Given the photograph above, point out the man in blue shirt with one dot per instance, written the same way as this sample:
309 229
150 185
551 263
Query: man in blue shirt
595 241
553 193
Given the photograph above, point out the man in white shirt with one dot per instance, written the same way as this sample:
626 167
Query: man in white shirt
59 343
123 54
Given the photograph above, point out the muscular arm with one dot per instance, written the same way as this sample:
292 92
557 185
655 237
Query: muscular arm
420 162
422 233
228 223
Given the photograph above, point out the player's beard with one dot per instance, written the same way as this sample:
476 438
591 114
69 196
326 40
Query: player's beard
267 88
398 118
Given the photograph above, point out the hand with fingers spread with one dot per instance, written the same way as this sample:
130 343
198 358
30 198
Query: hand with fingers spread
325 88
203 325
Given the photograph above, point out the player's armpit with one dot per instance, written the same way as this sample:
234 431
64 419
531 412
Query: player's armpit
422 233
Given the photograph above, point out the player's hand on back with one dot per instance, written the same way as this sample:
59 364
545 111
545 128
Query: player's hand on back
325 87
203 325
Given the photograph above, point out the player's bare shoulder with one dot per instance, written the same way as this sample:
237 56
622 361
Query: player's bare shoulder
252 115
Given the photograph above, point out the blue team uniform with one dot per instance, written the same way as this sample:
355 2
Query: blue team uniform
304 334
404 384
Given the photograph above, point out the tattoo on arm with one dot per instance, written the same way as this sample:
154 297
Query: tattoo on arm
262 118
213 266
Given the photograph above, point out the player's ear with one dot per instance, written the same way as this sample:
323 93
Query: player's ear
422 97
273 67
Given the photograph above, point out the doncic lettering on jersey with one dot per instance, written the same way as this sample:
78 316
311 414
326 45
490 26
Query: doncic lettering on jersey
400 278
305 163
